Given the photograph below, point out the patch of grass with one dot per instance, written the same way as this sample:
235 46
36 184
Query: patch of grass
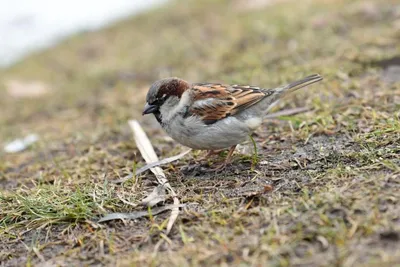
54 204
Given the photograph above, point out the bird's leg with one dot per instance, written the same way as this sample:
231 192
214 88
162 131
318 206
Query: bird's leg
209 154
227 160
230 153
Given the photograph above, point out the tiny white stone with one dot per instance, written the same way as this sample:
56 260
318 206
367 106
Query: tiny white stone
20 144
253 123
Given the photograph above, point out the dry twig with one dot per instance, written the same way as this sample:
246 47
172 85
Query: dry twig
149 155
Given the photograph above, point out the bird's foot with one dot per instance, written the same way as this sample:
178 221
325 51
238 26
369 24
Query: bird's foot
220 167
227 161
209 154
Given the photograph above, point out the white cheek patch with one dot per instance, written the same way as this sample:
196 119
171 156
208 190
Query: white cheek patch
185 100
253 123
171 111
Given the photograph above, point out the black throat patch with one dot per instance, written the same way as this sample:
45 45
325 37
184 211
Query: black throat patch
158 116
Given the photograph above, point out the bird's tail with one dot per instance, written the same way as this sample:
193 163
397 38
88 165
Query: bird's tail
279 92
299 84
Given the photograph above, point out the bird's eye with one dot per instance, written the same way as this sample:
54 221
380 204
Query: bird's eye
159 101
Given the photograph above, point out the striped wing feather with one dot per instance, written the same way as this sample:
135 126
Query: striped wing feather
213 102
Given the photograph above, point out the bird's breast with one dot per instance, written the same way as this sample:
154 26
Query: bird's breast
192 132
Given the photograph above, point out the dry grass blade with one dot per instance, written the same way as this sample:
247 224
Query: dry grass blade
287 112
161 162
152 165
138 214
158 195
149 155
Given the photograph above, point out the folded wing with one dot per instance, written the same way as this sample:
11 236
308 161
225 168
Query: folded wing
213 102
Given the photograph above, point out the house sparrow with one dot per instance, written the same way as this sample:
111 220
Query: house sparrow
213 116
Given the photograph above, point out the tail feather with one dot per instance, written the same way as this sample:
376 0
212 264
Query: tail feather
279 92
299 84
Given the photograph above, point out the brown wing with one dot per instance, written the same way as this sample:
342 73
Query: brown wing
213 102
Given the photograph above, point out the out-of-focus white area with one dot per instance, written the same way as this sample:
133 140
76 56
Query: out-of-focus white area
30 25
19 145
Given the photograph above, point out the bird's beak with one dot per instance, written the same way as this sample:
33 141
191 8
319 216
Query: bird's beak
149 109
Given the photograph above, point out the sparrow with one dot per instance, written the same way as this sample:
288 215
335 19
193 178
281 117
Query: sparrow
213 116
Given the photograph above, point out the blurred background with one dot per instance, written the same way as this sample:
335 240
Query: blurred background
29 25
